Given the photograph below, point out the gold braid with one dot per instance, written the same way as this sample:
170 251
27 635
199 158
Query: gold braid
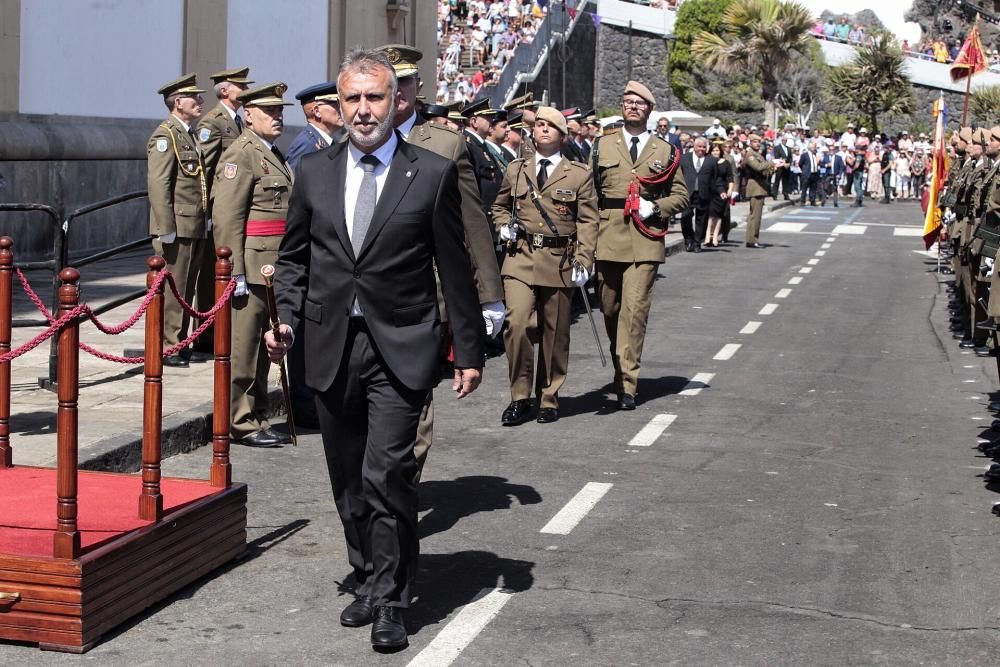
199 171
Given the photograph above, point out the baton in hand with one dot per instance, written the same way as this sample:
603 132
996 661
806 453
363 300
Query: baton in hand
267 271
593 327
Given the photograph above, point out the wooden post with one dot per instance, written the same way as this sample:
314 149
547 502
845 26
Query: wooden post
151 500
66 541
6 314
221 471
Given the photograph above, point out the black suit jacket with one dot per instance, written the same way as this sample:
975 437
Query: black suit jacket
783 152
709 184
416 222
806 166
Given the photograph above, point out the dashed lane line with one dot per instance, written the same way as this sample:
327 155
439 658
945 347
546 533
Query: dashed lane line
831 239
783 293
849 229
908 231
768 309
813 262
727 351
820 253
750 327
825 246
806 269
573 512
463 629
651 431
795 281
696 384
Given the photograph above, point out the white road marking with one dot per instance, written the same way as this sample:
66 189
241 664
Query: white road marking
751 327
783 293
820 253
795 281
727 352
786 227
907 231
768 309
813 262
651 431
849 229
806 269
577 508
463 629
696 384
806 217
825 246
831 239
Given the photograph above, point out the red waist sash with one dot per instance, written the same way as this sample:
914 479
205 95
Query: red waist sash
265 227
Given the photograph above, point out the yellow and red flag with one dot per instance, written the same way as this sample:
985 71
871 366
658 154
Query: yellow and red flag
971 58
939 168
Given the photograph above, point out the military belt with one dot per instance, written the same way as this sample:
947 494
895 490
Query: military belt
608 202
550 241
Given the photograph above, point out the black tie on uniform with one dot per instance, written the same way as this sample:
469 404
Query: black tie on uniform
543 173
239 123
277 154
634 151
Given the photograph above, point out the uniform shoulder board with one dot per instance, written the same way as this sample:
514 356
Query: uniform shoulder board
437 127
581 165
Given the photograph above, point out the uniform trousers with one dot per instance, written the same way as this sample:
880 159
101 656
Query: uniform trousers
191 262
248 404
626 294
754 218
368 420
537 315
993 304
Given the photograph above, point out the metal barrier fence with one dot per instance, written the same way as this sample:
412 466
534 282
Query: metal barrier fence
60 257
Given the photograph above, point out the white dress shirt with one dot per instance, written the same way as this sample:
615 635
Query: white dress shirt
554 159
407 125
643 138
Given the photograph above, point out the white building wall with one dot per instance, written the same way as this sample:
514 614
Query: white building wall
99 57
281 40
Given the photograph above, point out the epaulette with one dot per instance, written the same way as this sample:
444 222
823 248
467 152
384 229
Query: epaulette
437 127
582 165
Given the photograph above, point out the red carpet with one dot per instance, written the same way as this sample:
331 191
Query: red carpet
107 506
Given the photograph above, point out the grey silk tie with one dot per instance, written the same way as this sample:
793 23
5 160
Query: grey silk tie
364 206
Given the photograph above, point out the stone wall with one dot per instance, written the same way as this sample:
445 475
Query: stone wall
648 56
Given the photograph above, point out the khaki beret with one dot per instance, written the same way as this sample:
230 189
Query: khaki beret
965 134
636 88
553 117
404 58
186 85
995 132
265 96
981 136
754 137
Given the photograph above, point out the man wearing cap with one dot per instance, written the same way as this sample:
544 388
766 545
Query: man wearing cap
759 171
978 274
546 212
630 245
324 126
498 132
218 129
489 172
571 147
178 200
967 186
526 105
716 130
848 138
478 235
511 145
783 174
252 188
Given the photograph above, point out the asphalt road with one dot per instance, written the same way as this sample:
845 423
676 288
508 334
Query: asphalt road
811 497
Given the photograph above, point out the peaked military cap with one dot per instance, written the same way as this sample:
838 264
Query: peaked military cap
265 96
573 113
476 107
457 117
435 111
514 120
526 101
324 92
186 85
238 75
404 58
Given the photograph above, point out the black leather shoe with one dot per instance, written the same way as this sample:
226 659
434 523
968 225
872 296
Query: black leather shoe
260 439
996 508
754 245
993 474
547 415
696 247
278 436
626 402
388 631
359 613
966 344
175 361
994 406
982 351
987 325
516 413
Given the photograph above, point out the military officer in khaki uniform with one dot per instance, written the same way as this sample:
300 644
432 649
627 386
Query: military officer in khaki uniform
979 273
527 106
439 139
630 244
218 129
759 172
546 211
178 199
968 199
252 187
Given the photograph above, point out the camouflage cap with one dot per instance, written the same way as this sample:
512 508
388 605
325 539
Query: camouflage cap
186 85
265 96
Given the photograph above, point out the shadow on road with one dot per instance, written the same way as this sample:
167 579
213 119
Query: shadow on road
450 501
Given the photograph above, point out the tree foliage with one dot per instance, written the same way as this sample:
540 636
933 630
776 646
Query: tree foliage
800 90
695 85
874 82
985 105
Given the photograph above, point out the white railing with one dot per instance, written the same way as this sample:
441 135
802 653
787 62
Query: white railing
656 20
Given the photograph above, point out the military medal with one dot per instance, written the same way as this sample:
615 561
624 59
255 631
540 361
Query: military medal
658 166
562 210
263 165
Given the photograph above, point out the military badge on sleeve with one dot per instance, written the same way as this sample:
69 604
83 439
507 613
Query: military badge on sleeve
203 134
161 145
229 171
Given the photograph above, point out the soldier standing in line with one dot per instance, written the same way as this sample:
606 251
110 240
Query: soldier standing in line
252 187
324 125
958 173
219 128
527 106
498 133
489 173
511 145
979 272
639 191
759 172
547 212
966 206
178 200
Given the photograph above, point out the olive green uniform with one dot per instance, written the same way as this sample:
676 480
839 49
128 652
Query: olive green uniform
178 197
252 187
537 280
217 130
627 260
980 281
759 172
970 199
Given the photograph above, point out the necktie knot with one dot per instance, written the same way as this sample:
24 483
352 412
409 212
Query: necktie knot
545 163
368 163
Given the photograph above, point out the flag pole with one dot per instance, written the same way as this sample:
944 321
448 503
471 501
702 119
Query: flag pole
965 103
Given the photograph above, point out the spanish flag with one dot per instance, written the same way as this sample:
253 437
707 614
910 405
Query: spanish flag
971 58
939 169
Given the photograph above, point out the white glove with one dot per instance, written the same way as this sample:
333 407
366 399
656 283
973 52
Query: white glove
208 224
987 264
167 238
241 286
580 275
646 208
493 315
508 233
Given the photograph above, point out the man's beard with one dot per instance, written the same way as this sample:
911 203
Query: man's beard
381 130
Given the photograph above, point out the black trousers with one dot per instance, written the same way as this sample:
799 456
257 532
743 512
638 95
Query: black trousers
809 187
369 424
697 213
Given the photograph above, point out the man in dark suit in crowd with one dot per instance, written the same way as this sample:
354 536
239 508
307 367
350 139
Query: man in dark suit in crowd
809 164
782 175
367 222
701 175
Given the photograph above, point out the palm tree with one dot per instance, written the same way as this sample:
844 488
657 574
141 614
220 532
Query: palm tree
762 37
985 104
874 82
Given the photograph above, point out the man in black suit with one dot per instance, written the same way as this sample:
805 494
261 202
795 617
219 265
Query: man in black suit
809 164
701 175
782 175
368 220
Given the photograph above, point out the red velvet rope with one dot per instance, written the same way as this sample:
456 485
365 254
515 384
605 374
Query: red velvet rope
55 325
